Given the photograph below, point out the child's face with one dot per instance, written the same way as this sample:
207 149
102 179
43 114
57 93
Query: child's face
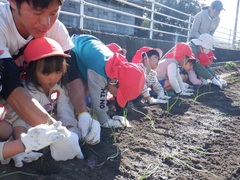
47 81
187 66
113 87
152 61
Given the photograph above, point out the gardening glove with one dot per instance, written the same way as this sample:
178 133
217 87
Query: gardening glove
23 157
67 148
76 131
184 93
161 95
123 120
157 101
90 128
216 82
41 136
223 82
112 123
189 90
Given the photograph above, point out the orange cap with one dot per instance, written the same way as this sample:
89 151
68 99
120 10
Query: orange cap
42 47
115 48
130 77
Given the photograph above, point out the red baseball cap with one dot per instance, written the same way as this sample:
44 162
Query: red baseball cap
203 59
115 48
43 47
180 50
131 78
211 55
137 58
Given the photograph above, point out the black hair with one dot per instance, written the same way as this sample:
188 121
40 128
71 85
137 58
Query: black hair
50 65
36 4
151 53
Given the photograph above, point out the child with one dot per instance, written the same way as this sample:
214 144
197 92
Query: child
168 71
102 71
149 61
201 72
46 65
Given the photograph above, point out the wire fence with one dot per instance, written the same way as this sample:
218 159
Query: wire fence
137 18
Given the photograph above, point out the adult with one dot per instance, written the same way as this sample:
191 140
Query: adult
207 20
21 21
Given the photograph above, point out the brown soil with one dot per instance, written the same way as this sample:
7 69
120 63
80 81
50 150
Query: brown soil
195 140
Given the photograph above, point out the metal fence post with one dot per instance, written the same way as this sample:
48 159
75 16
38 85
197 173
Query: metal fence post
152 20
82 2
189 27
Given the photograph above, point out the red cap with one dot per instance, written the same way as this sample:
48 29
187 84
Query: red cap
137 58
115 48
211 56
180 50
130 77
203 59
42 47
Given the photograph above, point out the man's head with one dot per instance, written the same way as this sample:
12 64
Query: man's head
129 79
215 8
35 17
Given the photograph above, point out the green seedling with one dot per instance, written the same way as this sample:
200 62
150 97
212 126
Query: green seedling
187 165
113 134
113 156
150 119
202 94
230 64
4 174
125 116
201 151
149 172
169 107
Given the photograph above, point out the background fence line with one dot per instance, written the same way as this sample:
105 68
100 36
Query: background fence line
130 18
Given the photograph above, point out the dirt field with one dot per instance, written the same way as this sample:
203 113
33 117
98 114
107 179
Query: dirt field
196 139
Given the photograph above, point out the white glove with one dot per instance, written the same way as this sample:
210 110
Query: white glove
216 82
157 101
90 128
123 120
112 123
188 90
223 82
183 93
41 136
23 157
161 95
67 148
